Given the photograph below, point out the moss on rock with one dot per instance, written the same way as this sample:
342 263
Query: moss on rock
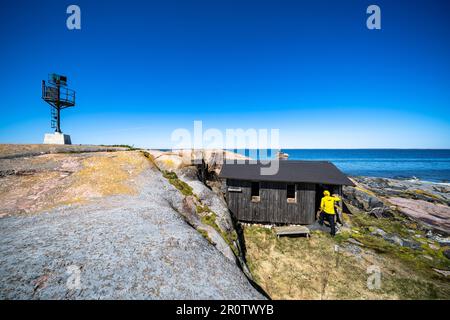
184 188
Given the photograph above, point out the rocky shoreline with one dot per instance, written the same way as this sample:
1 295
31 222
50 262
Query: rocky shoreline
425 202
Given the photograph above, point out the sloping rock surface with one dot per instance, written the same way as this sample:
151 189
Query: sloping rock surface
129 246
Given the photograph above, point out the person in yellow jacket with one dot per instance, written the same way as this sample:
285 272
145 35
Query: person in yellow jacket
328 211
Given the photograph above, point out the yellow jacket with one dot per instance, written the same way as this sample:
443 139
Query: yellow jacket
327 204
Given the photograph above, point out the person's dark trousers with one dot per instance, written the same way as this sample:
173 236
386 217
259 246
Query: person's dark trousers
322 214
330 218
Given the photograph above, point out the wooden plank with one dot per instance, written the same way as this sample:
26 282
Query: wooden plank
292 231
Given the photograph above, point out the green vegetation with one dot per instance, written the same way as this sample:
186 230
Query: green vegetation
424 193
396 225
210 219
184 188
120 146
205 235
298 268
229 237
207 216
422 259
342 237
202 209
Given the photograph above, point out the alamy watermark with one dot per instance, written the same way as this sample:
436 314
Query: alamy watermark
73 21
258 143
74 280
374 278
374 20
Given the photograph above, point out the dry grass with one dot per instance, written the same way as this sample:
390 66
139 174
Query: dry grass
22 150
70 179
108 174
298 268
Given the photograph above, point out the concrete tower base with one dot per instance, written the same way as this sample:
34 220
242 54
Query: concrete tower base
57 138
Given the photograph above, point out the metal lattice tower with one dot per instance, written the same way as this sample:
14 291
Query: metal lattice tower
58 96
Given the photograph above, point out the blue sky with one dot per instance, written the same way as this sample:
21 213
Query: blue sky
312 69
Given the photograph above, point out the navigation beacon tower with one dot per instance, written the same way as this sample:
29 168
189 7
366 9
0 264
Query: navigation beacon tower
59 97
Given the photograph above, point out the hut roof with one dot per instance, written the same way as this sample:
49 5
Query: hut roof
289 171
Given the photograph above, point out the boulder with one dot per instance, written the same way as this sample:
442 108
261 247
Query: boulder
411 244
214 159
208 197
409 189
379 232
433 216
362 199
170 162
381 212
394 240
178 159
189 211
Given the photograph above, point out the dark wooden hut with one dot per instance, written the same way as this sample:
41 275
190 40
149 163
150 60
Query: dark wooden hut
291 196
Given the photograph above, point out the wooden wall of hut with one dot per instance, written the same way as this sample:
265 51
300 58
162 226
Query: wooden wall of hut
273 206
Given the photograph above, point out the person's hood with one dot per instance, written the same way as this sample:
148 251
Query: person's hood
326 193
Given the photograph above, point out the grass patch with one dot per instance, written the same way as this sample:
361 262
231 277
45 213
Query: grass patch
419 261
202 209
229 237
342 237
205 235
120 146
182 186
395 225
108 175
298 268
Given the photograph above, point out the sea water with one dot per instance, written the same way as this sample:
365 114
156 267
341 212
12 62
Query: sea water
423 164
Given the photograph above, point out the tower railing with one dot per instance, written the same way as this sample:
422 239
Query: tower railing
63 96
58 96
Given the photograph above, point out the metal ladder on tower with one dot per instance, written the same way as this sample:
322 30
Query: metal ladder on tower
53 117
